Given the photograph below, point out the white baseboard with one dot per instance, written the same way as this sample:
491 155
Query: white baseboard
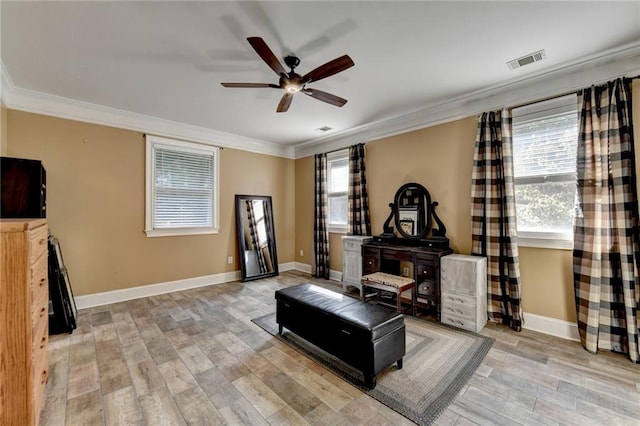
289 266
115 296
547 325
303 267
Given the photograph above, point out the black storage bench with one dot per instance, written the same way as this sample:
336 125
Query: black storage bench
367 337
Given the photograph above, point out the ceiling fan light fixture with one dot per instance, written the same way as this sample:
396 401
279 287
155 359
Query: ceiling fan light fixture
292 87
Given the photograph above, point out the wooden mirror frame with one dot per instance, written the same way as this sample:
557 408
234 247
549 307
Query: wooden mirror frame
424 215
267 262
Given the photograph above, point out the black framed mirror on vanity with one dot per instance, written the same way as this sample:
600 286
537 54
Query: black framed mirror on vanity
410 245
256 237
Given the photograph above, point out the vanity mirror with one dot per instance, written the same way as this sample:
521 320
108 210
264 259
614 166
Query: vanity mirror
256 237
413 214
412 211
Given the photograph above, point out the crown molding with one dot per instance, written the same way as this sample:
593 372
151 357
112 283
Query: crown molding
41 103
624 60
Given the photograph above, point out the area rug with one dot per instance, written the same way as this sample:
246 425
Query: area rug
439 361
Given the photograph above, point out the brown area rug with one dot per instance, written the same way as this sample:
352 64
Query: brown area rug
439 361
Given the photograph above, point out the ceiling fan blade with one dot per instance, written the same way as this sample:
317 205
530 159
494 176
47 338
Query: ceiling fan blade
275 86
283 106
266 54
328 69
325 97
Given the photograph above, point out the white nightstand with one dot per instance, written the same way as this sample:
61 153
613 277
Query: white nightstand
464 291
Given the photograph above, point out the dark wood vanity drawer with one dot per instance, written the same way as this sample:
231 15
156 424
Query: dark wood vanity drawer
370 264
427 289
370 260
391 254
425 271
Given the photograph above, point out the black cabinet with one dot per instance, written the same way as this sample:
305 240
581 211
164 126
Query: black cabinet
23 188
383 257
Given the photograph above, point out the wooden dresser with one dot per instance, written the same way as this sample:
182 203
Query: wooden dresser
24 320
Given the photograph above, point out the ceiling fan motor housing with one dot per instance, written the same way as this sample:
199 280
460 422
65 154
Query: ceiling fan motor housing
292 61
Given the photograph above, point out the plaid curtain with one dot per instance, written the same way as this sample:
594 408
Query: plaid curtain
358 222
493 217
253 231
320 236
605 254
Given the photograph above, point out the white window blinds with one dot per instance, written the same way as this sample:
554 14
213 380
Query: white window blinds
545 138
183 187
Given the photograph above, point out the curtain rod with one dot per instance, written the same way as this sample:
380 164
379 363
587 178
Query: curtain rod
571 92
343 148
183 140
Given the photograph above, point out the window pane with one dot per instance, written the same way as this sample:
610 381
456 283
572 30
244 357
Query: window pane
545 146
545 137
338 210
183 189
338 179
545 207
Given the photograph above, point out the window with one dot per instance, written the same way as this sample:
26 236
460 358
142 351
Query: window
182 188
337 185
545 137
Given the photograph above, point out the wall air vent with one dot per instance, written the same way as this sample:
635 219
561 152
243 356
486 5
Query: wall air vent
526 60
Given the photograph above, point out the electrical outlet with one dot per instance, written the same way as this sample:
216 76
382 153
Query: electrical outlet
230 260
405 271
301 253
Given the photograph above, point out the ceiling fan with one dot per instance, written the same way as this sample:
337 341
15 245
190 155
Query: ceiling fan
291 82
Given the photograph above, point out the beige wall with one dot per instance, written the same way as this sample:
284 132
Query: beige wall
95 203
3 130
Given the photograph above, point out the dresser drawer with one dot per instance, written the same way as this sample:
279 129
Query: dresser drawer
352 245
39 310
37 242
39 276
40 375
458 310
40 339
458 322
459 299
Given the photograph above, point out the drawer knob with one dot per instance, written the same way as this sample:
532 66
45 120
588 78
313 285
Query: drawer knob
42 281
42 311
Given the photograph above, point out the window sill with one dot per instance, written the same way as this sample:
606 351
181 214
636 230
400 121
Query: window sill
178 232
542 242
337 229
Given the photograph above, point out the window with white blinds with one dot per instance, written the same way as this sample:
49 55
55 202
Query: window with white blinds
337 186
545 138
182 188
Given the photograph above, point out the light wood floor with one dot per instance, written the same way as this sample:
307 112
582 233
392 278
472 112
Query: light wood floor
194 357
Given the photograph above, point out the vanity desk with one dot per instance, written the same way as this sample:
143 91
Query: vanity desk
412 247
390 258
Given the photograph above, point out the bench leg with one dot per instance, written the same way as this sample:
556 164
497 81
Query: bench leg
399 362
279 329
370 381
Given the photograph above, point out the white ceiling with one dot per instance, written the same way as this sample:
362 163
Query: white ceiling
167 59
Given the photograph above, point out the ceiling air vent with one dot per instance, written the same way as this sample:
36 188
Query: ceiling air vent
324 128
526 60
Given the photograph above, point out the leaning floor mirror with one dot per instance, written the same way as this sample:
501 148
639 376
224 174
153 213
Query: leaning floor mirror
256 237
